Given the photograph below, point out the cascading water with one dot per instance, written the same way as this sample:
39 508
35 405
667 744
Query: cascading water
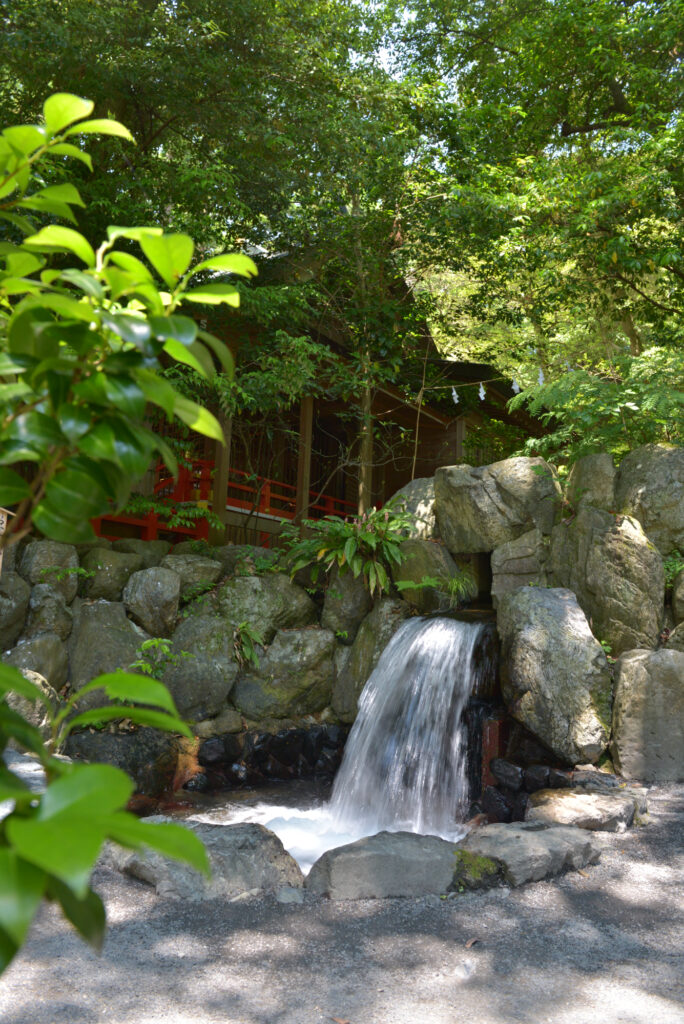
404 765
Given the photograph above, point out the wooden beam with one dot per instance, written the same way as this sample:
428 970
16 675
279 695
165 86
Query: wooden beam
221 471
306 411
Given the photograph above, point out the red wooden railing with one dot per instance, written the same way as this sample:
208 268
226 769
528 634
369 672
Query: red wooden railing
245 492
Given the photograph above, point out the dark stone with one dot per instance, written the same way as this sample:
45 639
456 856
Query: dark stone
519 802
286 746
495 804
257 748
559 779
212 752
328 763
149 757
313 744
536 777
274 769
233 745
197 784
333 736
507 774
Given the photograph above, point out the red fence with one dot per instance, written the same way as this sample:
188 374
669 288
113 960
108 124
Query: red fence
245 493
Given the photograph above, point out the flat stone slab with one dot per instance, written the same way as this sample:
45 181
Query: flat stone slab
605 812
530 851
244 858
386 864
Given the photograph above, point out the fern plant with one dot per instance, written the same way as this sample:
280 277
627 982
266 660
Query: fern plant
368 546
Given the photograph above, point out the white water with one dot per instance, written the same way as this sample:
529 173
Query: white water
404 762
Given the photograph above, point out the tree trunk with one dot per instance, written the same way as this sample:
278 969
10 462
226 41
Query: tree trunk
366 459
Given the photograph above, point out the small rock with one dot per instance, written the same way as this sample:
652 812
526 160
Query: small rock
151 597
195 571
48 613
593 811
15 594
48 561
151 551
509 775
111 571
536 777
288 894
529 851
45 654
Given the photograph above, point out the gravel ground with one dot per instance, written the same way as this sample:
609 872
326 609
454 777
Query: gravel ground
604 945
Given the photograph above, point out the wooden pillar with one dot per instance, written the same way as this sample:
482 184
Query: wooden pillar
366 453
306 410
221 471
460 437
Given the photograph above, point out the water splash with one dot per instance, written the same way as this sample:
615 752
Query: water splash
404 765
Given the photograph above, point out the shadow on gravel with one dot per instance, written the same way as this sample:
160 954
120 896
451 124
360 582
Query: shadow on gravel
582 947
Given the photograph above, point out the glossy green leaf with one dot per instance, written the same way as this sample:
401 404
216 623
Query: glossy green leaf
12 681
12 788
198 419
134 234
57 527
129 686
220 350
170 255
13 488
65 193
25 138
21 889
66 846
230 262
213 295
189 356
36 428
170 840
182 328
125 394
21 264
101 126
68 149
87 914
54 237
126 261
140 716
74 496
134 330
157 390
86 282
14 726
98 788
62 109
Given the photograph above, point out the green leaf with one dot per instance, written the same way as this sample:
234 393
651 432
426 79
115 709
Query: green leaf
134 330
66 846
141 716
220 350
25 138
170 840
62 109
55 238
157 390
12 681
68 149
85 787
75 496
13 488
14 726
125 394
12 788
214 295
128 686
170 255
65 193
101 126
21 890
132 265
135 234
182 328
58 527
189 356
197 418
87 914
230 262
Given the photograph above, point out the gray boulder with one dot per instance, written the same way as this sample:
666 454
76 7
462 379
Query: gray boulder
555 676
151 551
267 603
15 594
242 559
227 721
678 598
294 677
111 571
479 509
45 654
102 640
48 561
529 851
616 573
675 640
604 812
648 716
387 864
650 487
196 572
374 634
346 604
35 711
151 597
591 481
244 858
85 546
422 558
205 670
519 563
418 500
48 613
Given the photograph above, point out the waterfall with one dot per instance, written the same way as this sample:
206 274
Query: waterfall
404 764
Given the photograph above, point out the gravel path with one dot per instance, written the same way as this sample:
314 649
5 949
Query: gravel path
604 946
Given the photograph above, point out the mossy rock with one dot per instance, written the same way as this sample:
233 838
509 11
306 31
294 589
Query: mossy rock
472 871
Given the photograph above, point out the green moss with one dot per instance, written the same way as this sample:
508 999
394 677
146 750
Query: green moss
602 703
472 871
